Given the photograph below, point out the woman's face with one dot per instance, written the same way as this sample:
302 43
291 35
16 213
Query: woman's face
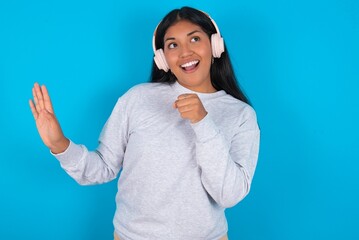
188 52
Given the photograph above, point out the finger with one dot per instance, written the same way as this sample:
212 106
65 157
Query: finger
191 117
36 101
186 101
47 100
40 99
187 115
182 99
33 109
186 95
186 108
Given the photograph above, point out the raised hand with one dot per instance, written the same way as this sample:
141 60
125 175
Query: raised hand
190 107
46 122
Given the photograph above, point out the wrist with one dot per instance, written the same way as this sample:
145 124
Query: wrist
200 118
60 146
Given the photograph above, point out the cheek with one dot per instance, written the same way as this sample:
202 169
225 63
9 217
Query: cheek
206 52
170 59
207 58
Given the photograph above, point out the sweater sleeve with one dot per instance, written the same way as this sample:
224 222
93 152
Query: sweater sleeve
103 164
227 167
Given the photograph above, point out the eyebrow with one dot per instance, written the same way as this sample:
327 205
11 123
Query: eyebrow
188 34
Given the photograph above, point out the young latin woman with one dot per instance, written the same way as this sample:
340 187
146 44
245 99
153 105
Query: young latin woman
187 142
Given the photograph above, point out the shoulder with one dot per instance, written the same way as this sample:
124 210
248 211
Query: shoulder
235 106
233 111
148 88
141 93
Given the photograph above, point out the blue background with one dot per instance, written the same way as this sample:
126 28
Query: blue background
297 61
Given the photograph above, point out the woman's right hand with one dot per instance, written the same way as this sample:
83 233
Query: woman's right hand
46 122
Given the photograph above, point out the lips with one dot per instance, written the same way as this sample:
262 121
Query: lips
189 66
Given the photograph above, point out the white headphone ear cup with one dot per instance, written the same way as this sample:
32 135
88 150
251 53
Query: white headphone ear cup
217 45
160 60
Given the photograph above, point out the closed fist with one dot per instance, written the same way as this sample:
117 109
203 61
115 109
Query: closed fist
190 107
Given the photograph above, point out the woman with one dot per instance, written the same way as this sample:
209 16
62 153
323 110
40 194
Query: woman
187 142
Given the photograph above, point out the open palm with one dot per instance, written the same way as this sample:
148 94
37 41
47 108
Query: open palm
46 122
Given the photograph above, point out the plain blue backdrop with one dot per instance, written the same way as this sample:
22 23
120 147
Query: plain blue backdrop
296 60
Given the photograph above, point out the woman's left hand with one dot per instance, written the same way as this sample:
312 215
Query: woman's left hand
190 107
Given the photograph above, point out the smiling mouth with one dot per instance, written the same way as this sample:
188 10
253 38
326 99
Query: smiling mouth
190 65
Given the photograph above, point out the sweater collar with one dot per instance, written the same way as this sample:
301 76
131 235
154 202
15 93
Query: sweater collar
179 89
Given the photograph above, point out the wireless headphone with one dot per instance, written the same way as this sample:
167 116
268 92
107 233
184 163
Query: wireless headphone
216 42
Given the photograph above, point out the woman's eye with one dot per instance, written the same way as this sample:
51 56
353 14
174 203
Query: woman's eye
172 45
195 39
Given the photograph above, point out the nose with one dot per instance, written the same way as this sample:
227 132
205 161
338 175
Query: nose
186 50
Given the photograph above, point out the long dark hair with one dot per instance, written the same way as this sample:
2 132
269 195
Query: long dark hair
222 74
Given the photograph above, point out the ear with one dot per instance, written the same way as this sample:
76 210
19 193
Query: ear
160 60
217 45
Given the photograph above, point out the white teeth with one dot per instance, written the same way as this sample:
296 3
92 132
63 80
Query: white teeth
189 64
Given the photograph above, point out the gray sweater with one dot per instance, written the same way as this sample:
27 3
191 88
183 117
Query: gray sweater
177 178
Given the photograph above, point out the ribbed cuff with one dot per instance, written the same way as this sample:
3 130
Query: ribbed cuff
205 129
73 152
